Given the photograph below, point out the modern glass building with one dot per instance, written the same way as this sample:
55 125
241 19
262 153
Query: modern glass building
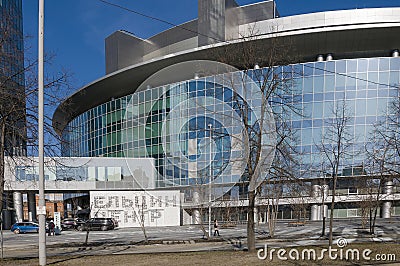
12 75
172 99
132 126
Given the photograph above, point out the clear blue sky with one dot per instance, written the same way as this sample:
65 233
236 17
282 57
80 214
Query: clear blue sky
75 29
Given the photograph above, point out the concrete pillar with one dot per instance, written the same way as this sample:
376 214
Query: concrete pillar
386 204
315 208
386 207
315 189
315 212
319 191
196 217
324 195
32 206
256 215
18 206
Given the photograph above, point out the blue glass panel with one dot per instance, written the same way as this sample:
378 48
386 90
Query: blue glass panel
297 70
350 94
362 65
373 64
330 67
317 123
351 66
395 64
394 78
341 66
307 98
329 96
319 68
370 120
318 97
359 120
308 69
384 64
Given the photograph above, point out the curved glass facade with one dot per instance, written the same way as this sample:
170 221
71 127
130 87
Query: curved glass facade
134 125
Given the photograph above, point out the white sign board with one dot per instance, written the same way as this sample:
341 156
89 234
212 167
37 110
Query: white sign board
137 208
57 220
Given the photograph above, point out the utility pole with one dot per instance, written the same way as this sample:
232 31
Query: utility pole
209 182
42 207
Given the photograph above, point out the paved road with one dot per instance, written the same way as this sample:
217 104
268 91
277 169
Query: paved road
188 238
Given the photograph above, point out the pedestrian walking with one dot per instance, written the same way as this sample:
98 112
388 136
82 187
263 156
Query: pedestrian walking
51 228
216 228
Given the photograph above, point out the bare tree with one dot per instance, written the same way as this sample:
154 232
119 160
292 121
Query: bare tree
273 86
201 200
335 145
18 99
297 191
140 215
380 168
383 152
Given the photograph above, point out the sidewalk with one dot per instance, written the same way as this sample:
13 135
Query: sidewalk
190 238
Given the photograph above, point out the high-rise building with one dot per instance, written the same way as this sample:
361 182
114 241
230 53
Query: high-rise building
12 87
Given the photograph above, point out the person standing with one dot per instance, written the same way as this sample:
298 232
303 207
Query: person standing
51 228
216 227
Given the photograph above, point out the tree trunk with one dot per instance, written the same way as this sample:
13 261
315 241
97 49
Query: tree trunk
251 241
2 163
323 225
331 212
87 227
373 221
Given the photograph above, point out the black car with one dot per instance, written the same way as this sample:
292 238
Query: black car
103 224
71 223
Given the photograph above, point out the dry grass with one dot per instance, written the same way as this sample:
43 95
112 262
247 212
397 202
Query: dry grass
207 258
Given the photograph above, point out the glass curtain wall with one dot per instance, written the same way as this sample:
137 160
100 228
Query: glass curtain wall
140 125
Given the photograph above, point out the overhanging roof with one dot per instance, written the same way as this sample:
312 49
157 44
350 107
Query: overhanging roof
377 36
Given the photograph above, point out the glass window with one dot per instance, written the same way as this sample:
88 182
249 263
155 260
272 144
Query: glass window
351 82
101 173
318 84
114 173
308 85
384 64
308 69
371 107
394 78
373 64
361 81
350 94
318 110
318 97
362 65
351 66
340 82
394 64
329 83
360 107
341 66
330 67
319 68
91 173
383 78
329 96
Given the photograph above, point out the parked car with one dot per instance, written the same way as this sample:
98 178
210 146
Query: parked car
103 224
25 227
71 223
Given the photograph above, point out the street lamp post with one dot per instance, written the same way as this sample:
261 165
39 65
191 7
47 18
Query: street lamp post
41 206
209 183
